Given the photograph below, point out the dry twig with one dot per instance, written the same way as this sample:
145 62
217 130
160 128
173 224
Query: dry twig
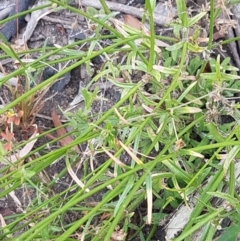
160 20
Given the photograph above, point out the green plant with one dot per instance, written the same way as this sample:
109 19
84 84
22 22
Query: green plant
163 145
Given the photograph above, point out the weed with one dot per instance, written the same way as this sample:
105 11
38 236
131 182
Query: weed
163 147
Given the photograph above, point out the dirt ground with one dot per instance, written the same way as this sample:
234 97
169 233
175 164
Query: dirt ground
62 94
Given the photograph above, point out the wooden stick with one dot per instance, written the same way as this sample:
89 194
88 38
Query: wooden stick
137 12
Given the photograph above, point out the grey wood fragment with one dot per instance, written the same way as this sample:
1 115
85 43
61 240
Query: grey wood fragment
158 19
35 16
4 13
235 46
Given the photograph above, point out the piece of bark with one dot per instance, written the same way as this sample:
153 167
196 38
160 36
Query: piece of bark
233 47
32 23
5 12
9 29
182 215
236 33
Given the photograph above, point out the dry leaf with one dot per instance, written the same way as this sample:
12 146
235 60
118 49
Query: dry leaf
217 35
105 216
202 40
118 235
61 132
35 17
74 176
179 144
160 43
123 121
8 136
66 141
15 118
115 159
133 22
129 151
2 221
147 108
15 199
119 26
27 148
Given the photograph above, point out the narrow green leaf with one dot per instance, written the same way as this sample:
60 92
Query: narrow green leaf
187 110
232 200
196 18
230 76
231 155
214 132
165 70
174 168
176 46
196 48
182 12
124 194
231 233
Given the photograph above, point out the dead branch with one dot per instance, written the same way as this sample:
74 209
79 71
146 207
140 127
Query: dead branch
137 12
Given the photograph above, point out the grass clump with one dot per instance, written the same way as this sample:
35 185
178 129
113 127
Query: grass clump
163 145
